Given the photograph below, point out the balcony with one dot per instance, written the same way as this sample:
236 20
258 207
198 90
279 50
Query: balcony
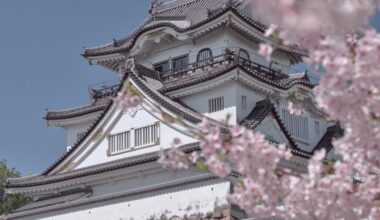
103 90
228 58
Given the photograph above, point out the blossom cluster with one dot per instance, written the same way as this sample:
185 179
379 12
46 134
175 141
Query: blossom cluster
243 151
346 53
340 45
124 101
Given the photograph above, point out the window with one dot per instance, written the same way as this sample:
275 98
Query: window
215 104
162 67
139 137
316 127
204 57
180 63
119 142
244 55
244 102
297 125
146 135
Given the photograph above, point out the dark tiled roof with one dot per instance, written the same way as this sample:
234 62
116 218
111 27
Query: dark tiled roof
60 198
196 12
284 82
76 112
260 112
326 141
92 170
147 84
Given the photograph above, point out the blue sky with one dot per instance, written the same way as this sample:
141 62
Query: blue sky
41 67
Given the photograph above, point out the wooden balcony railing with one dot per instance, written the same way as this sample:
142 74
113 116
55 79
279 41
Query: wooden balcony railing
217 62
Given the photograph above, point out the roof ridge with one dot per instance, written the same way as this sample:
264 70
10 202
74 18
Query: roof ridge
141 26
77 108
176 6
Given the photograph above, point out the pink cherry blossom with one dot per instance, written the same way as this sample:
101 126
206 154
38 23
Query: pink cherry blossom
265 50
124 101
295 109
339 43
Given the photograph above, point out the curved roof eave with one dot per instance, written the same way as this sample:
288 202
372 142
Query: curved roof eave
223 71
131 39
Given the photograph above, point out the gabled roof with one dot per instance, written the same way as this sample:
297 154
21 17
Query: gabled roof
262 109
147 81
326 141
57 199
141 76
150 83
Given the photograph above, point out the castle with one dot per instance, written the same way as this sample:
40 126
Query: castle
189 59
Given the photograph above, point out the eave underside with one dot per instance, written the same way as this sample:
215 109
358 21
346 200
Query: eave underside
203 13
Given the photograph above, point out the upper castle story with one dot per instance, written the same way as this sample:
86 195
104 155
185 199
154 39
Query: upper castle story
204 53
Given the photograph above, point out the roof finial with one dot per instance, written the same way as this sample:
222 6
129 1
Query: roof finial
116 43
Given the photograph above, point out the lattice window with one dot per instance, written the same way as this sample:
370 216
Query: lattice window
204 57
139 137
244 102
180 63
298 126
146 135
119 142
215 104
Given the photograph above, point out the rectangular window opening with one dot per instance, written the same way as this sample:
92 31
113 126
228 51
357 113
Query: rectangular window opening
162 67
296 125
244 102
119 142
215 104
180 63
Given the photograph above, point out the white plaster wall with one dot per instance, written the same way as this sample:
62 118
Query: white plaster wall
126 122
253 97
237 41
232 93
199 101
200 198
74 130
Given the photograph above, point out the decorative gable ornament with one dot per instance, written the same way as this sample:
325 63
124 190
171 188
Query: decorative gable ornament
130 64
133 111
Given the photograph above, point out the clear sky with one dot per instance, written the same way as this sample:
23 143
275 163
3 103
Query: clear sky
41 67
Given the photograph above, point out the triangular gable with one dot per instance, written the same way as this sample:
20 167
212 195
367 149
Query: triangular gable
164 112
264 118
326 141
